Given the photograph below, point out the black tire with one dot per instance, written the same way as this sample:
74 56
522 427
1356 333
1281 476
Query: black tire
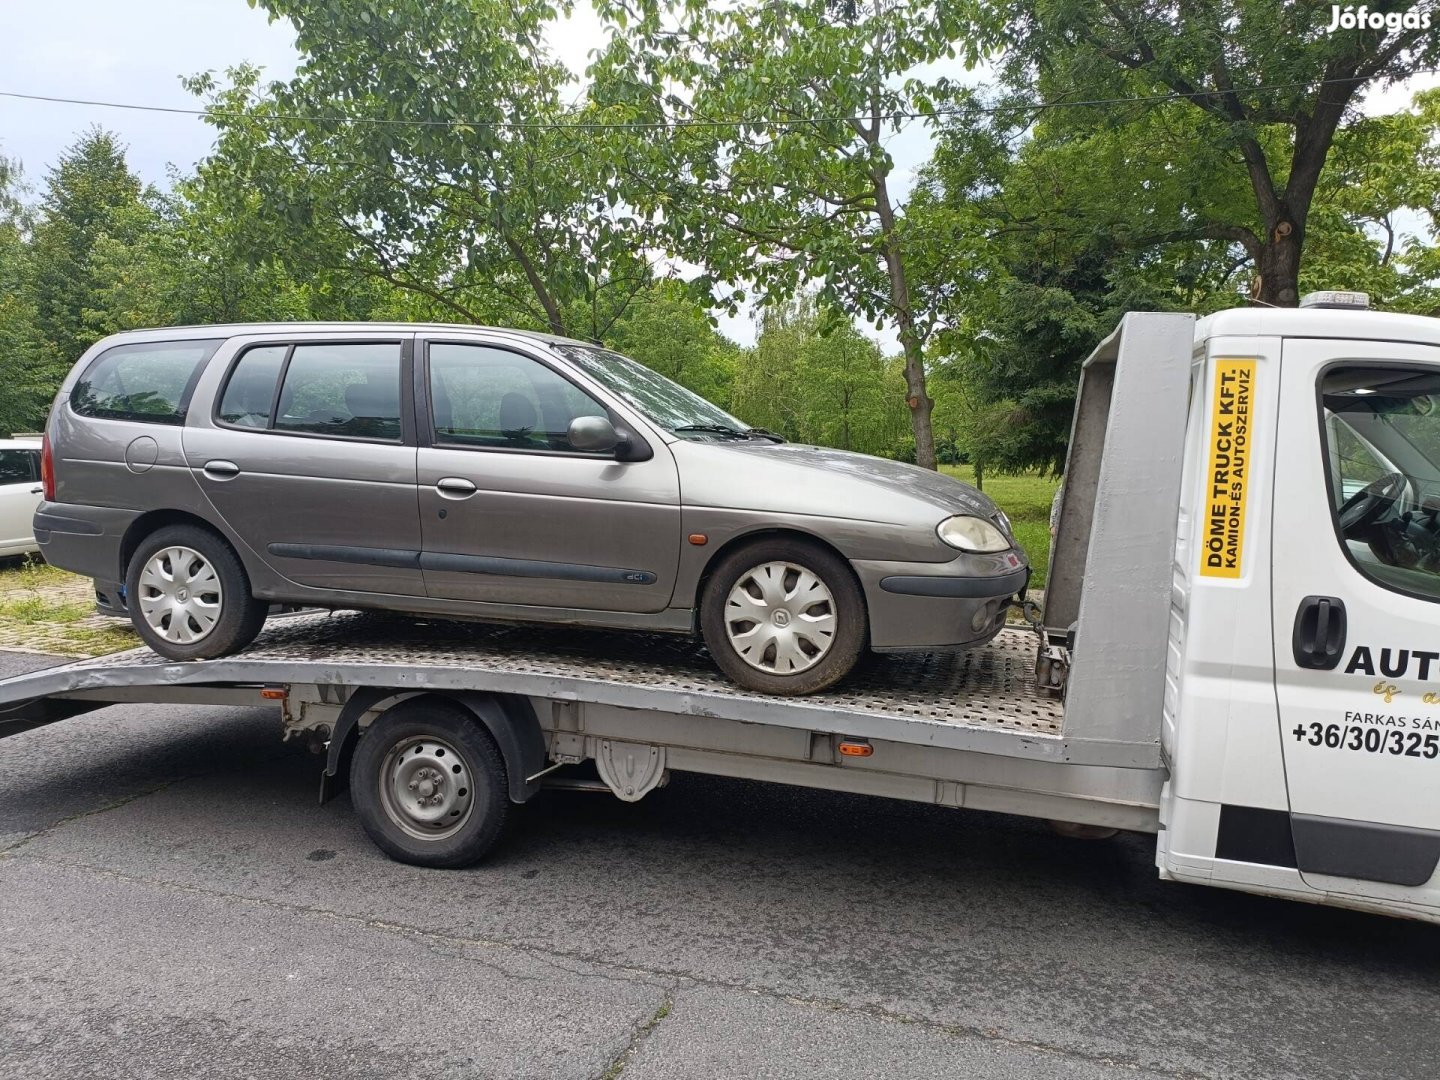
241 616
851 618
426 734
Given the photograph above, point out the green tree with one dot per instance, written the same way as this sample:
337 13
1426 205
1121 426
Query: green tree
25 360
428 144
90 193
802 191
668 329
1268 88
814 378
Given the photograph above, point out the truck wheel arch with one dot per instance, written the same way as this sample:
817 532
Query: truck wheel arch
510 720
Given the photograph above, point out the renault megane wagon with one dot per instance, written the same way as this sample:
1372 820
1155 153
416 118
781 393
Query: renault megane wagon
201 474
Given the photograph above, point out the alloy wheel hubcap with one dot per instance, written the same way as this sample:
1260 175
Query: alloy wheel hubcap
426 789
780 618
180 595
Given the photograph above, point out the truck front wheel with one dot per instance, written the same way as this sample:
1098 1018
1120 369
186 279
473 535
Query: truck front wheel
429 784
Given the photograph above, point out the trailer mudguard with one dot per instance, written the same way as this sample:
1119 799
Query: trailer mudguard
510 721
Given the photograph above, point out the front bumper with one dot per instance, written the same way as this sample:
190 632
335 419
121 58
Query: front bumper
940 605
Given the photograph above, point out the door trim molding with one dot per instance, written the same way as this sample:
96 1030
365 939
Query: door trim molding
447 562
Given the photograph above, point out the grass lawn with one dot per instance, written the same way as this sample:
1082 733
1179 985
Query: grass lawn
1026 500
50 610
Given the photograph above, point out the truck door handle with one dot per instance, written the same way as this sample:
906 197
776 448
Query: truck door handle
1319 638
455 487
221 470
38 489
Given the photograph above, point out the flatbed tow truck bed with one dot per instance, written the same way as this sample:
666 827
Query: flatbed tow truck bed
961 729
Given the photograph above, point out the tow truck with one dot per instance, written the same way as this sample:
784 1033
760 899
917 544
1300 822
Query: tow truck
1238 650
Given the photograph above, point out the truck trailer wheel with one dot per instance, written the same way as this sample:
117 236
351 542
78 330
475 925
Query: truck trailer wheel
429 785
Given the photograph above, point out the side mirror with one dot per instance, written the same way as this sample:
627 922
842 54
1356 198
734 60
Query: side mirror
595 434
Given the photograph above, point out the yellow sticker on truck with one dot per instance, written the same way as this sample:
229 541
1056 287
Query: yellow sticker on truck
1232 406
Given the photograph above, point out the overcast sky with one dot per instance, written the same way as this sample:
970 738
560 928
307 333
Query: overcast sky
137 51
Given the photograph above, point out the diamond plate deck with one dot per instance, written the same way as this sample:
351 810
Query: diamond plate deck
991 688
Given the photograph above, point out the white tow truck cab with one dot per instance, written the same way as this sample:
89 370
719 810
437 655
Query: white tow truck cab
1237 649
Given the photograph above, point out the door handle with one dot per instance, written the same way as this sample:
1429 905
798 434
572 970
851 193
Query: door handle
455 487
38 489
1319 638
221 470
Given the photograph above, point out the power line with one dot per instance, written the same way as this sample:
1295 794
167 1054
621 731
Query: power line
804 121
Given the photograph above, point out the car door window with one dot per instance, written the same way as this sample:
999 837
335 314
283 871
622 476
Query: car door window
350 390
487 397
17 466
1382 454
250 389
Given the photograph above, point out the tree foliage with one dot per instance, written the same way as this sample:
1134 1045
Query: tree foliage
467 179
814 378
431 161
1268 88
802 193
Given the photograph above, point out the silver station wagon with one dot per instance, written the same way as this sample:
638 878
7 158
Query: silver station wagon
202 474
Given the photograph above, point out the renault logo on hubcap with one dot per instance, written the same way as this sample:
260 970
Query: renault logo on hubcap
781 617
182 595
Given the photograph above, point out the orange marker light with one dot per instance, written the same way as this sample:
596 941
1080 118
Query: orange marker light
699 539
856 748
274 693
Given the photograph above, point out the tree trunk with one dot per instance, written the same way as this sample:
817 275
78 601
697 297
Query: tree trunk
553 315
917 399
915 396
1278 264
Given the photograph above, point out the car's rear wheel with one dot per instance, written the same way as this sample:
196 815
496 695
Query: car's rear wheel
783 616
188 595
429 785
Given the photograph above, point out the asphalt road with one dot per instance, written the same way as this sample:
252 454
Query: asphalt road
173 902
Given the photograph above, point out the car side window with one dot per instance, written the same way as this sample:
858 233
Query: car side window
348 389
250 390
18 467
487 397
148 382
1381 428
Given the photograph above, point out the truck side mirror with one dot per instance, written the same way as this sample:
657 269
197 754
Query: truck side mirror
594 434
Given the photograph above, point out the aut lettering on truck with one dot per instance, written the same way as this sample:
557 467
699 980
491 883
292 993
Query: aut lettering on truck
1223 543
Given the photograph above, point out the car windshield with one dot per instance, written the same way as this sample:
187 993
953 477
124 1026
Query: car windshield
666 403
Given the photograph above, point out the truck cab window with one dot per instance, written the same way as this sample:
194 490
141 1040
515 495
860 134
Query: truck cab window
1382 453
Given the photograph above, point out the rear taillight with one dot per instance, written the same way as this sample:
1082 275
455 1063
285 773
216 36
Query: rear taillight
47 468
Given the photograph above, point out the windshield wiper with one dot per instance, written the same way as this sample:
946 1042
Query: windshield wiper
711 429
773 436
729 432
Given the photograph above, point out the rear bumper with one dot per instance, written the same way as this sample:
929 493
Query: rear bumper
957 604
83 539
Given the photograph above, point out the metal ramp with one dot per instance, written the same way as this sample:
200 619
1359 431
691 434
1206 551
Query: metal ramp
983 700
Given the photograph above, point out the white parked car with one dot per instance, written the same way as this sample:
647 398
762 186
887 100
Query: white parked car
20 493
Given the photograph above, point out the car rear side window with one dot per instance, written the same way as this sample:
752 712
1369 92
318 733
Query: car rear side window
18 466
488 397
150 382
350 390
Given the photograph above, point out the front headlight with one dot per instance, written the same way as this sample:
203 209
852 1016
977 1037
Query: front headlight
972 534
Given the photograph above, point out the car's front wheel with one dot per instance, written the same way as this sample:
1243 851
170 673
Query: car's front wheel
188 595
783 616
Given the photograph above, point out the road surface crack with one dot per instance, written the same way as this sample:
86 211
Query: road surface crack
637 1038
